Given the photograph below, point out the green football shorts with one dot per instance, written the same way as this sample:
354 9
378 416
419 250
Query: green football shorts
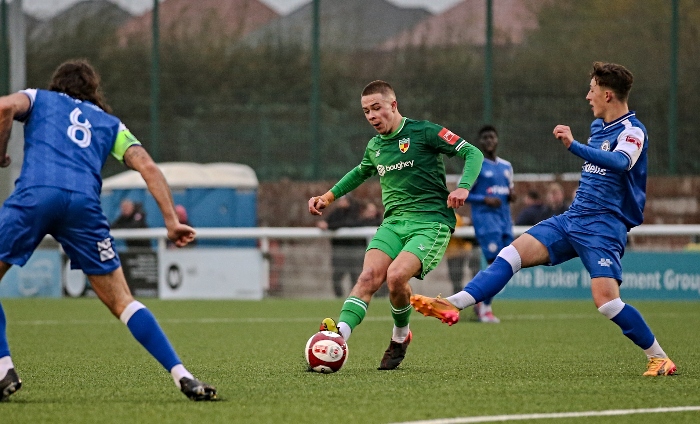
426 240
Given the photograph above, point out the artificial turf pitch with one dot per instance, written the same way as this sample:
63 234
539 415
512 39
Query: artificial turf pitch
81 365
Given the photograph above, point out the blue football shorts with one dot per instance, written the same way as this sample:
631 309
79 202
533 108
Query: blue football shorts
74 219
599 241
492 243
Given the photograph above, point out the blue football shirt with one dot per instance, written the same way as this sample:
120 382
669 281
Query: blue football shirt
494 180
67 141
622 193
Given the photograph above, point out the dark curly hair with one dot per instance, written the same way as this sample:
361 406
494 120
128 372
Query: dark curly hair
78 79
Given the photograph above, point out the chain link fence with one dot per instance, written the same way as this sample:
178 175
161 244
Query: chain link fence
235 77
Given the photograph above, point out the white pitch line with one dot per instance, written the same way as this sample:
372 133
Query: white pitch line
519 417
185 321
505 318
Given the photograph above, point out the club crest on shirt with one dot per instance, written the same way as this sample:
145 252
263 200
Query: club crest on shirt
605 146
404 144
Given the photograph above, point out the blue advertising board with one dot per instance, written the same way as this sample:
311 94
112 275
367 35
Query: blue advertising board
39 277
646 275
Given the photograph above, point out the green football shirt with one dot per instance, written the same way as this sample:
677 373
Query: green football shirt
411 170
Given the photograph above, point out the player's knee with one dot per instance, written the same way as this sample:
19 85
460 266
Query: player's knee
511 255
604 291
611 308
396 280
370 279
112 290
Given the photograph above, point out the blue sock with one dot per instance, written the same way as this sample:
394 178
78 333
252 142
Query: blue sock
634 327
4 346
487 301
145 329
489 282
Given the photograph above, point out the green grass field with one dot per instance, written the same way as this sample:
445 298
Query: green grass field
80 365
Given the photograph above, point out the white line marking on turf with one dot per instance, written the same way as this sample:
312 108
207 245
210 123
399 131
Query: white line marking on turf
518 417
187 321
506 318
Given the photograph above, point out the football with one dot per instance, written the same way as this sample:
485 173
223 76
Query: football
326 352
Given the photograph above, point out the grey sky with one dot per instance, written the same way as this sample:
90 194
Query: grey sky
46 8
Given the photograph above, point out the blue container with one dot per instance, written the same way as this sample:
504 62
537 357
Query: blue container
214 195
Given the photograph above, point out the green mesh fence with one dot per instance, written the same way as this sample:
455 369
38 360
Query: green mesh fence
244 95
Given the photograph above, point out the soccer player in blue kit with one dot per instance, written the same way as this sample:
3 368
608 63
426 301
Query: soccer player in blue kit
609 202
490 204
69 133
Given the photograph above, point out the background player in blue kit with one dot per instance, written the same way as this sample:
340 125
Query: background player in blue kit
608 203
69 133
490 204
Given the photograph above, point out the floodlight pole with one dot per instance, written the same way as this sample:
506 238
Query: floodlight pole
488 65
673 91
4 51
315 89
155 85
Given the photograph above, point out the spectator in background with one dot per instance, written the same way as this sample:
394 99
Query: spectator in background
556 203
370 216
347 255
181 212
132 216
534 210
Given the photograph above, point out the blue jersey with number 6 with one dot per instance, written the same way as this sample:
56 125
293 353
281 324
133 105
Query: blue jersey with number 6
67 142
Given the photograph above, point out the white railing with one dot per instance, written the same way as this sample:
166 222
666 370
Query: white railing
290 233
265 234
296 261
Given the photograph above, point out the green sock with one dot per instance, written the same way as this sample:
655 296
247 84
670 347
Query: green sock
353 312
401 315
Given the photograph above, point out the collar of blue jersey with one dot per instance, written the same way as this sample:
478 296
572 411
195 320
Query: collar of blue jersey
398 130
618 120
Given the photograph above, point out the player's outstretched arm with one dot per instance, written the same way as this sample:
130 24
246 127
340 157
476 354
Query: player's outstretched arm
11 107
139 160
615 160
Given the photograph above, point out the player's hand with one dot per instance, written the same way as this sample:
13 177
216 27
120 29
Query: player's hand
181 234
6 161
317 203
563 133
493 202
456 198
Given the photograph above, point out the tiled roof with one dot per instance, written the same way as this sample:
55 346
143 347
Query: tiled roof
465 23
210 19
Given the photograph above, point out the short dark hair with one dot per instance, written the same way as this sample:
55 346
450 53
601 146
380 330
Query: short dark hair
532 194
378 87
79 79
487 128
616 77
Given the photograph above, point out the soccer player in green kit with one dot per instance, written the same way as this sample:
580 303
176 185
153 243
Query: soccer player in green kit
418 221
